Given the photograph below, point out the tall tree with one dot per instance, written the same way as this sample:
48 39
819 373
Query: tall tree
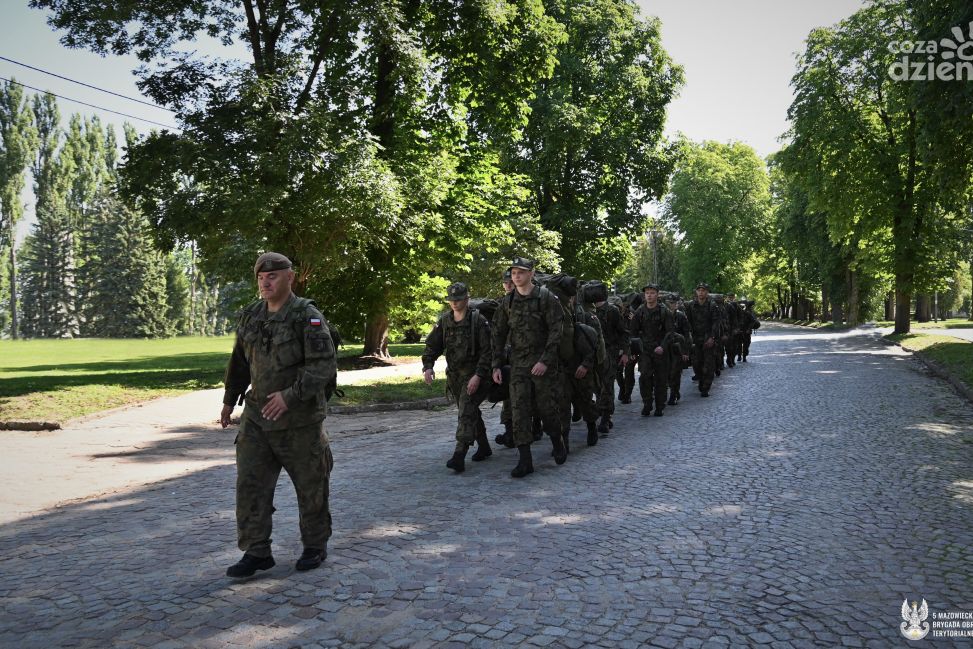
18 140
720 200
594 147
340 141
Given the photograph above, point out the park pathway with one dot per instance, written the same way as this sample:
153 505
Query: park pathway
820 485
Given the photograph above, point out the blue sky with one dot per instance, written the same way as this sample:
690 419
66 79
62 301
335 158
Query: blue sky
738 57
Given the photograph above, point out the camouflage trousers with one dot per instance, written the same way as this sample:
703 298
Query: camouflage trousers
653 379
306 456
470 420
579 393
745 338
733 347
610 376
626 377
675 375
704 365
535 395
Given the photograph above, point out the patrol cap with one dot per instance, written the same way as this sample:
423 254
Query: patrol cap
271 261
650 285
457 291
673 297
507 276
522 262
703 285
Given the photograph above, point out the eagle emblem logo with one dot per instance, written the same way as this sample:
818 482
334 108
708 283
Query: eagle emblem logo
914 627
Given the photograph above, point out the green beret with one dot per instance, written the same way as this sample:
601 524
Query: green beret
271 261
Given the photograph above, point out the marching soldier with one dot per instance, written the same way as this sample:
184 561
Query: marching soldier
705 321
678 346
650 323
463 335
531 320
506 413
617 344
750 323
733 329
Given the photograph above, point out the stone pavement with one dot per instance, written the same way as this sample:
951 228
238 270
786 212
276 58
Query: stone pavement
819 486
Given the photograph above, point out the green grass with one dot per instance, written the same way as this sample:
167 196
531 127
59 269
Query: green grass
954 354
952 323
58 380
391 390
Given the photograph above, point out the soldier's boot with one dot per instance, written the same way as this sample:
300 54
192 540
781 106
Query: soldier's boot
483 450
538 429
576 414
646 409
507 437
310 559
694 378
672 397
592 434
560 443
526 463
743 358
458 462
248 565
604 425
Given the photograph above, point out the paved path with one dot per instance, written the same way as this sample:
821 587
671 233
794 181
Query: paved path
819 486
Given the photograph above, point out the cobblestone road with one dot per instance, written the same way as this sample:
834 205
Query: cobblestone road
819 486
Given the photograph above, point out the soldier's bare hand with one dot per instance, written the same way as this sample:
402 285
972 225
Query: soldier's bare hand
624 360
685 358
581 372
225 415
658 351
275 407
539 369
709 343
428 376
498 376
473 385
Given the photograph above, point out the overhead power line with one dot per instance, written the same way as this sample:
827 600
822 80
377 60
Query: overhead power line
86 85
84 103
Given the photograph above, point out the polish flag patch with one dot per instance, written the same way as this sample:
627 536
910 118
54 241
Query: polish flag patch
315 322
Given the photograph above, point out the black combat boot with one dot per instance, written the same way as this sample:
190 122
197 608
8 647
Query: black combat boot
694 378
625 399
744 359
311 558
646 410
605 425
526 464
560 443
457 463
507 438
658 411
483 450
592 434
248 565
672 398
538 430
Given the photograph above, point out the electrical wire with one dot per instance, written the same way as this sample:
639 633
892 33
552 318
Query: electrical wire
82 83
84 103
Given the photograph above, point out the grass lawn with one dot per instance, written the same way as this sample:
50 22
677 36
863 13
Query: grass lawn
954 354
952 323
58 380
391 390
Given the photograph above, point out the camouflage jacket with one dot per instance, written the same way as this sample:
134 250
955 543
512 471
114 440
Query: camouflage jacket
617 338
532 325
704 320
289 351
681 326
467 344
651 326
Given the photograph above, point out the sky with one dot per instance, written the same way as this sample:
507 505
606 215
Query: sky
738 57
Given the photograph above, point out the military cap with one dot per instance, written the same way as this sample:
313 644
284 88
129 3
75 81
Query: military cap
507 276
703 285
673 297
271 261
650 285
457 291
522 262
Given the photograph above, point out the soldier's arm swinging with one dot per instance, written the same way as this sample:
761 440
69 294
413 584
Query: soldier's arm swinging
235 381
433 350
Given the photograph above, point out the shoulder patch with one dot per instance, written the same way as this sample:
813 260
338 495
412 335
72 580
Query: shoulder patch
314 322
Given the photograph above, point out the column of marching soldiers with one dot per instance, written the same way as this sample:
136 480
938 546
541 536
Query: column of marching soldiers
552 349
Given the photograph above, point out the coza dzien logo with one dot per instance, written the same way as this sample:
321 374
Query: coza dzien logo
948 59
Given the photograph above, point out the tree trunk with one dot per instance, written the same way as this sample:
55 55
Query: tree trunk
903 304
14 320
377 334
837 313
923 308
854 308
825 301
890 306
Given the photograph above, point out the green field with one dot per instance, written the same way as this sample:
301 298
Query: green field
954 354
58 380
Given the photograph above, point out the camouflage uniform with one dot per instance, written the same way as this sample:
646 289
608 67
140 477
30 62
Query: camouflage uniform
749 323
468 347
677 345
532 323
705 322
733 327
651 327
288 351
617 343
580 393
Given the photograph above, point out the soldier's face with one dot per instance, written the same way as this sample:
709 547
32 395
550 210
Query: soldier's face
521 277
458 306
274 284
730 297
702 294
673 306
651 297
508 285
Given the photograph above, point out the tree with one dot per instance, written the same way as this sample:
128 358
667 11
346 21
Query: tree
18 140
594 147
656 261
720 201
177 294
340 142
865 144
